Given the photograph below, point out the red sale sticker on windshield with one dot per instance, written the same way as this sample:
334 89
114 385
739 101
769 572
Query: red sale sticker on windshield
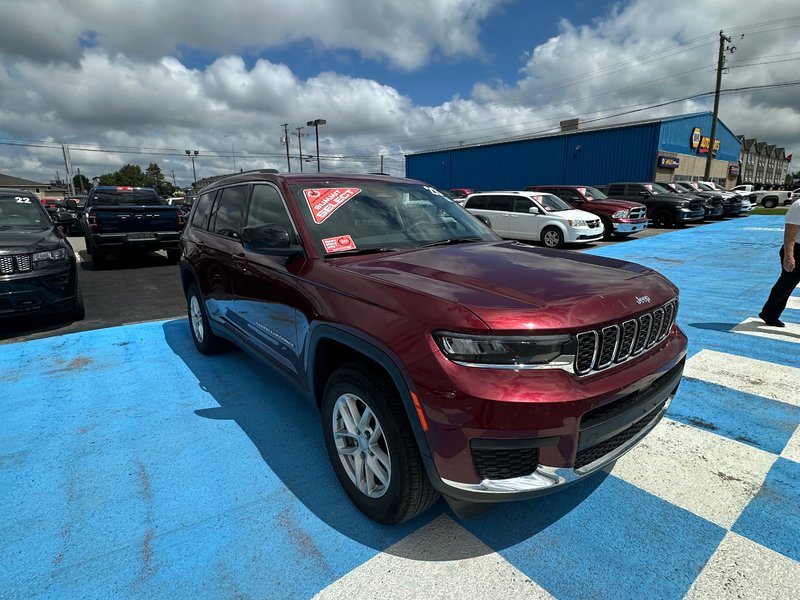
338 244
323 201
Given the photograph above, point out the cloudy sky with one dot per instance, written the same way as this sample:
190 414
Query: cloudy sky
139 82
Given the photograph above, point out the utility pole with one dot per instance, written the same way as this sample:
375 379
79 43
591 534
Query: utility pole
285 140
300 135
80 180
381 163
174 183
720 63
68 166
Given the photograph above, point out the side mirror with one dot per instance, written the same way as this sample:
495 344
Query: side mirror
270 239
64 218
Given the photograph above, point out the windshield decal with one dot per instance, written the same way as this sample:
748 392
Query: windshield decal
649 187
338 244
324 201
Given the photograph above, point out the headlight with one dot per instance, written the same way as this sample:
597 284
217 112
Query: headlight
683 205
496 351
620 214
56 254
576 223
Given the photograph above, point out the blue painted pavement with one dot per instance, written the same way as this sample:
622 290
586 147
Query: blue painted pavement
132 466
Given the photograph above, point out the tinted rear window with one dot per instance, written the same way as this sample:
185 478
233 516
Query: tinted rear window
136 197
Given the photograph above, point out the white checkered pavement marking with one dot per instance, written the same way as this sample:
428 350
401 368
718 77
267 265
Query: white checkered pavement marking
740 568
755 326
792 449
748 375
794 302
688 466
439 560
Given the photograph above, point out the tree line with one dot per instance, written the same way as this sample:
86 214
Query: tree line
132 175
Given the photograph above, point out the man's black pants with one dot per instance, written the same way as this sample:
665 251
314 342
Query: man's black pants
783 288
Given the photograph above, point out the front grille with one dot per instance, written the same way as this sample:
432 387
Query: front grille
695 204
596 350
637 213
588 455
505 463
20 263
593 224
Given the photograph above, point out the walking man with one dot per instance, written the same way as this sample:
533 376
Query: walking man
790 271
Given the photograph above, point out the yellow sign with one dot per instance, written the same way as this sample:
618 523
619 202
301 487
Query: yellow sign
695 138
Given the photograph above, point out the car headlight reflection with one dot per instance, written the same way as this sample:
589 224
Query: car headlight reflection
512 351
620 214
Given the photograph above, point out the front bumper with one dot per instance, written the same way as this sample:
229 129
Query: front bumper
630 226
43 291
685 215
520 434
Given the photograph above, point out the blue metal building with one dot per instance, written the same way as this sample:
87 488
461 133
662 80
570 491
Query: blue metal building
666 149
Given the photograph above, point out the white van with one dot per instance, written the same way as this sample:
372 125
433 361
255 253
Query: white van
535 216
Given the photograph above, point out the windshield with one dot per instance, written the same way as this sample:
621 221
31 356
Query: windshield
551 203
351 216
593 193
705 186
21 210
133 196
659 189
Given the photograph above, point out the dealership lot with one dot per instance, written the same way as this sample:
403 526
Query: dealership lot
134 467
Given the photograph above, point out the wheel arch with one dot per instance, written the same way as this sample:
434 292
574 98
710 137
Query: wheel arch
330 347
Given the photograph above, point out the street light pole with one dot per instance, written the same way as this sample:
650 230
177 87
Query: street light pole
316 123
192 154
233 151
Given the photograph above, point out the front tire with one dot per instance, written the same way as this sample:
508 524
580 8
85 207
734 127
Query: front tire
663 219
371 446
204 339
552 237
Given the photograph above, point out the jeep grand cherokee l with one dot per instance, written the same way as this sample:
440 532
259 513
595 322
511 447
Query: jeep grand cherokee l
443 359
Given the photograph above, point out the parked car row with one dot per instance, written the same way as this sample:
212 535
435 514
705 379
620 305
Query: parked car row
556 215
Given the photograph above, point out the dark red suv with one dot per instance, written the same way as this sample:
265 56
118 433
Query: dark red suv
443 359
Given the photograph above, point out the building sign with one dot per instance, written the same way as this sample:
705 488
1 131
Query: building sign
695 138
733 170
668 162
705 142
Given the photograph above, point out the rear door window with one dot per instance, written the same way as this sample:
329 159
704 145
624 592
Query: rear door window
618 190
229 213
501 203
477 202
203 211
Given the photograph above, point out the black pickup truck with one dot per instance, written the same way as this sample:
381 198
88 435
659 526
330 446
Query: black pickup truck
122 219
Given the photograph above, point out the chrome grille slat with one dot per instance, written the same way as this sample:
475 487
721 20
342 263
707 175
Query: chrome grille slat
15 263
6 265
617 343
608 346
23 262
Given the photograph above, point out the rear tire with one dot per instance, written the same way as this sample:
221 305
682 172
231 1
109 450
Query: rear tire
552 237
99 258
371 446
204 339
770 201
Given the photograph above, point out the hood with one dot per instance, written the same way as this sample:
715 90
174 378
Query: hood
27 240
612 205
574 213
513 286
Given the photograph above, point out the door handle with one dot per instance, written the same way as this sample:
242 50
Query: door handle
240 261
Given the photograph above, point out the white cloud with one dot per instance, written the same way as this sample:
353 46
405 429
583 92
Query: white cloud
128 87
